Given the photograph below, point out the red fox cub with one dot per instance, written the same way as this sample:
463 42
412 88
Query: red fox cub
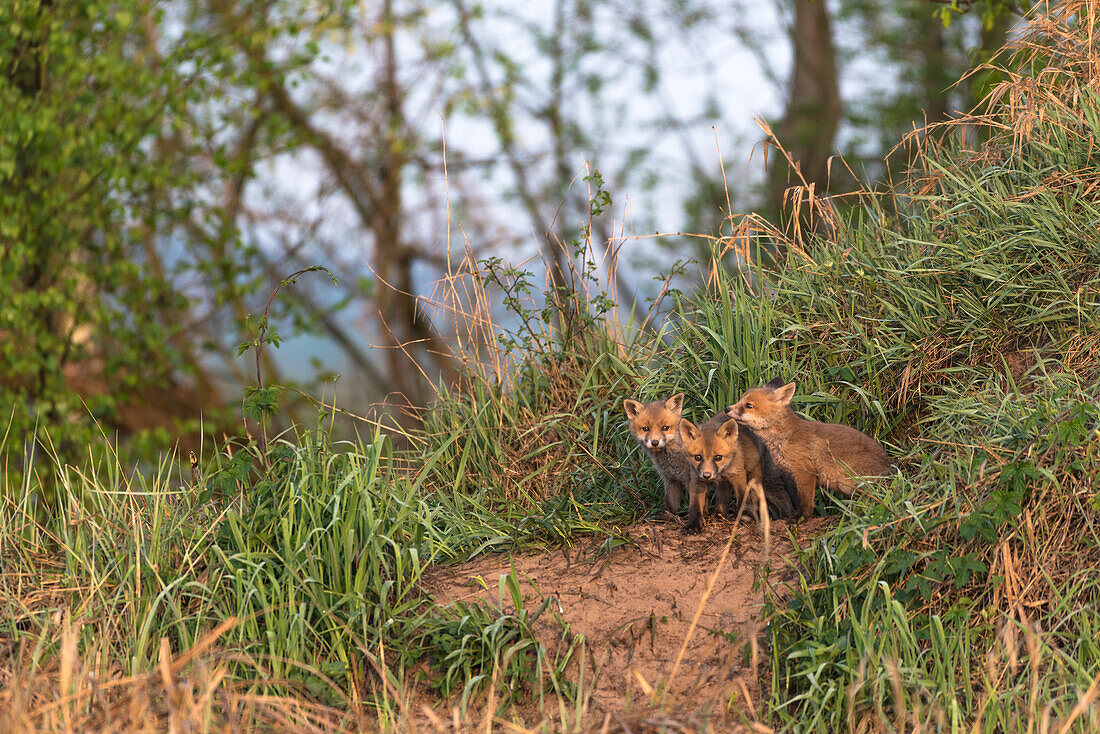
655 426
732 457
827 455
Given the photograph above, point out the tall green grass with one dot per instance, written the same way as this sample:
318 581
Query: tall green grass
311 570
962 319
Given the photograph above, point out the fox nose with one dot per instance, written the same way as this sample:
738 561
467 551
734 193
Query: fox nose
655 442
705 475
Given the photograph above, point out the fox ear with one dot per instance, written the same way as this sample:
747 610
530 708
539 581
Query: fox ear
688 429
775 383
632 408
784 394
728 430
675 403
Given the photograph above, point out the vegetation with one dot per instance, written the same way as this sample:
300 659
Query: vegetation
83 296
136 252
956 316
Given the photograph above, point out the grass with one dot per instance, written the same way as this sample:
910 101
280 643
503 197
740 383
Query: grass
955 316
309 577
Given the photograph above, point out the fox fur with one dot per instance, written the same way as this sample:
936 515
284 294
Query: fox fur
734 458
829 455
656 427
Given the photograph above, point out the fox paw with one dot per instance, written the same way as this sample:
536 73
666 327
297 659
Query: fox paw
693 528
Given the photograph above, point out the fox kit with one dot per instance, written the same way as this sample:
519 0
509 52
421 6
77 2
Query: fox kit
817 454
732 457
655 426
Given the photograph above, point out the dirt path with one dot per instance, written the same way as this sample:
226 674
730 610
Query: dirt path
635 604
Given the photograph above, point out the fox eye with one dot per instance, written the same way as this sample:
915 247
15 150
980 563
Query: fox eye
645 428
698 457
748 406
664 428
718 457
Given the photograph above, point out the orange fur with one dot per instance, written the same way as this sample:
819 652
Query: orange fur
654 426
829 455
734 459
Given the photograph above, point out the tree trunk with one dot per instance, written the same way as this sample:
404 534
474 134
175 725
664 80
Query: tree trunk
410 335
386 224
935 78
556 253
813 107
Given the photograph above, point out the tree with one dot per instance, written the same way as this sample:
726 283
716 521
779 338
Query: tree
163 179
813 108
371 178
813 102
923 49
83 303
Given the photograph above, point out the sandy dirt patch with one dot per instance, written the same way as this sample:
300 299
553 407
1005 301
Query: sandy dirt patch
635 603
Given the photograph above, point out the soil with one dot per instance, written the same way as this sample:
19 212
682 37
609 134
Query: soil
635 604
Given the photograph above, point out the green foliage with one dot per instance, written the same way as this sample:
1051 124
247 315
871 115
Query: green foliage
989 11
927 57
958 323
122 265
78 110
316 562
967 320
261 403
544 432
472 646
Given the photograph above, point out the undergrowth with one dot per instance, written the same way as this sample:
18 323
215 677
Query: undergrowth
965 308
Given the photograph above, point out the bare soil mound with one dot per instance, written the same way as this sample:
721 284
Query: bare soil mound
635 603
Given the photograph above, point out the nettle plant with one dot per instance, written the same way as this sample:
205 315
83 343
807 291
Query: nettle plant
575 302
261 401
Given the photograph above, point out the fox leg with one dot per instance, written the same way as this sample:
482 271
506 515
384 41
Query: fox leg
740 488
757 499
756 502
807 488
672 496
722 497
846 480
844 485
839 476
752 497
697 504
